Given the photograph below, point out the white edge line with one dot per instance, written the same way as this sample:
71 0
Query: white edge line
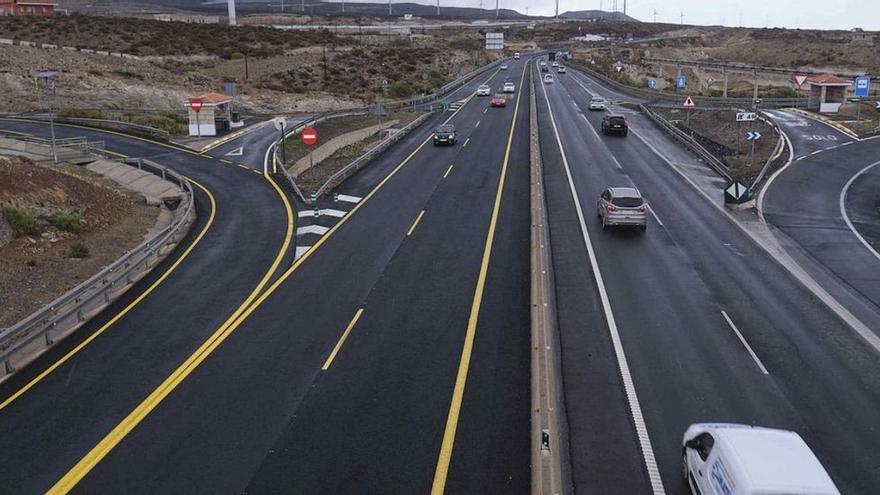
628 384
745 344
759 204
651 209
846 216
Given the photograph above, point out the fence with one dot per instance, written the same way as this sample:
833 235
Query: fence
66 149
24 341
113 125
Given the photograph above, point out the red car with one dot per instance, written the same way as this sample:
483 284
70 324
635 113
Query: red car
498 101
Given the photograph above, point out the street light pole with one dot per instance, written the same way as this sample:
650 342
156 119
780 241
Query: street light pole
48 76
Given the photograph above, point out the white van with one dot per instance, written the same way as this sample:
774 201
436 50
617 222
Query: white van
732 459
516 56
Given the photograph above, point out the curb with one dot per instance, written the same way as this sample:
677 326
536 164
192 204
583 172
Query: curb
827 121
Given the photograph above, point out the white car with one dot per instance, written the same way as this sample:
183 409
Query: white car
516 56
560 70
548 78
509 87
597 103
484 90
503 66
751 460
555 64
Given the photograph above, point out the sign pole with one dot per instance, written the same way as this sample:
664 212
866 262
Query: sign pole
283 148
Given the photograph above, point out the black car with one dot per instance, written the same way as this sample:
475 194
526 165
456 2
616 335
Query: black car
544 68
445 134
615 124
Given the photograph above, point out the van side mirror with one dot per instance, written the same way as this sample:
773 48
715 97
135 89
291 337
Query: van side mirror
692 444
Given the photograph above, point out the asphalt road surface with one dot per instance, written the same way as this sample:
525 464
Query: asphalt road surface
684 299
51 424
427 389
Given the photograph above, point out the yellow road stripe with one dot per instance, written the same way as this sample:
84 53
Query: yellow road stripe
466 141
125 310
94 456
87 463
446 446
415 222
447 171
357 316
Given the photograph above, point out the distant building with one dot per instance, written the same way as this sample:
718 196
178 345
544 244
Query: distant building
860 37
193 19
27 7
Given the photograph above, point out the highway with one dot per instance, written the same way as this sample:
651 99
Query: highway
710 328
56 408
393 354
388 351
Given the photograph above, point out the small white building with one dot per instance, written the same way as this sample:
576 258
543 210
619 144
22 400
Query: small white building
827 92
216 112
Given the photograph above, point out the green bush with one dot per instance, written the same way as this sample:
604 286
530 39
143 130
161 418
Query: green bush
79 250
66 220
400 89
22 221
783 93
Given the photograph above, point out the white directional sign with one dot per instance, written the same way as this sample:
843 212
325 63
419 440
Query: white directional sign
746 116
754 135
735 192
494 41
877 105
278 122
236 152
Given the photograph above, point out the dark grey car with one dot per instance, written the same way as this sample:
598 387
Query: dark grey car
445 134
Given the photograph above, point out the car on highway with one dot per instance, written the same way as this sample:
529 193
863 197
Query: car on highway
542 63
516 56
560 70
623 207
484 90
597 103
445 134
499 100
509 87
614 124
555 64
503 66
751 460
544 68
548 78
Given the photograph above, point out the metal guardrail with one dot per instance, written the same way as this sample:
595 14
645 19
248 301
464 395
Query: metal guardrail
710 101
734 67
22 342
364 159
65 148
689 142
113 125
410 104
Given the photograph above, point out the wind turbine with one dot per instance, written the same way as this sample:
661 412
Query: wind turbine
231 5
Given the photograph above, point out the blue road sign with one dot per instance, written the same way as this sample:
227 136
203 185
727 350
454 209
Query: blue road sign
652 83
680 81
863 85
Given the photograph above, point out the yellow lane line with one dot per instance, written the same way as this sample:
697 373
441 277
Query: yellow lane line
125 310
447 171
415 222
94 456
357 316
466 141
446 446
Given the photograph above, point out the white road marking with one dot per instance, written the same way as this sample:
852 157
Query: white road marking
323 211
614 159
236 152
846 216
651 209
348 199
628 384
312 229
301 250
746 344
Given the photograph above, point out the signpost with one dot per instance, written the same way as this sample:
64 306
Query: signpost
279 123
863 86
652 83
681 81
688 103
752 137
309 137
746 116
196 105
736 192
800 79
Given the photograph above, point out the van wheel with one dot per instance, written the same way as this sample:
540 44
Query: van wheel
643 228
684 469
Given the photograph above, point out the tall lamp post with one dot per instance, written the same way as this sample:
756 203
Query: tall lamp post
47 77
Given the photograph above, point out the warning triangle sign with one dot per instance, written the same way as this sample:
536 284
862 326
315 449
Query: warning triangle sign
689 103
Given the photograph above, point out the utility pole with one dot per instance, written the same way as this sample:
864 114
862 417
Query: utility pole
557 10
438 8
655 16
48 76
681 21
389 7
303 5
496 9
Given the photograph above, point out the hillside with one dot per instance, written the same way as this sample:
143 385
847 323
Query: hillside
599 15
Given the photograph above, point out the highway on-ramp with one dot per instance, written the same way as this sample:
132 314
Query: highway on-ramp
53 411
702 323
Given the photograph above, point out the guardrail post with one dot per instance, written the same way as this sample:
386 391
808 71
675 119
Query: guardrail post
8 366
314 199
336 197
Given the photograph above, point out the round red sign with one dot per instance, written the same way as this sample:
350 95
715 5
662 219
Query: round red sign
309 136
195 104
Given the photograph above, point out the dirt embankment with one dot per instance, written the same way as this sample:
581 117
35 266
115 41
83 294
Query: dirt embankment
70 223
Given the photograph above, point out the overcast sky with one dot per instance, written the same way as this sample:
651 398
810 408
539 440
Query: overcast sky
821 14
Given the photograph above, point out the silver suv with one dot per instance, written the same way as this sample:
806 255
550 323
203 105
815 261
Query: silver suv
623 206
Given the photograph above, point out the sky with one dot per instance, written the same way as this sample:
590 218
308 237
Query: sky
812 14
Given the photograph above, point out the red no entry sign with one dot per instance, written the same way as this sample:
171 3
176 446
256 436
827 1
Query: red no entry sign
309 136
195 104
